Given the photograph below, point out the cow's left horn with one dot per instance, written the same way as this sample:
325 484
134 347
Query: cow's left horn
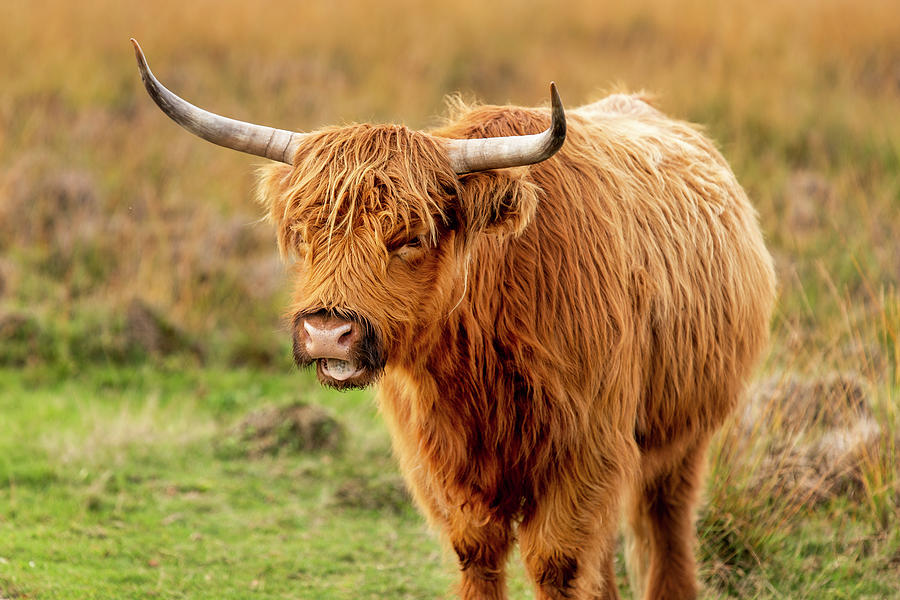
268 142
468 156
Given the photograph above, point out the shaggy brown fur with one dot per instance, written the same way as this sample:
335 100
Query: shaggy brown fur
558 339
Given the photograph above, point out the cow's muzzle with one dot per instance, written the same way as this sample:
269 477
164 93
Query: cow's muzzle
347 351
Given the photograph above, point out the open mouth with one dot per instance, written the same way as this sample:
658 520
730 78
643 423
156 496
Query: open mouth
346 353
344 374
340 370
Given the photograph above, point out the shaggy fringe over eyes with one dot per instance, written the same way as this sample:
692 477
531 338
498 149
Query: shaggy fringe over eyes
389 176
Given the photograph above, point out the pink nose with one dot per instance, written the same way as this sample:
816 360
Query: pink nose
328 337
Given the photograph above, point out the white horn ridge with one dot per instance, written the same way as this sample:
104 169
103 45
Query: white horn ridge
468 156
259 140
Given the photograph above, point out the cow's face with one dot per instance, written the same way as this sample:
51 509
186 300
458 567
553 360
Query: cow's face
380 221
380 228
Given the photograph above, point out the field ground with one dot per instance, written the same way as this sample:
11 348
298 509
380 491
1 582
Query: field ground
141 297
139 483
135 484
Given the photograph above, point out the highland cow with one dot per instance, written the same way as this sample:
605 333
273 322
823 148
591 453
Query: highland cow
557 329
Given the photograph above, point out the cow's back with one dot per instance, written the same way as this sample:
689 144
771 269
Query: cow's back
642 280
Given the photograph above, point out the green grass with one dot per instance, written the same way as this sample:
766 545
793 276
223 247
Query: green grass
134 483
123 484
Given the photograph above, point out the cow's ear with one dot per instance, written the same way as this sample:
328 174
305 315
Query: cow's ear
499 202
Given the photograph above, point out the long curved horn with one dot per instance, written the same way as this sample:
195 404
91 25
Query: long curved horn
268 142
468 156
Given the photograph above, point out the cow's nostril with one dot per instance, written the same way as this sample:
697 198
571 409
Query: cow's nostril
327 337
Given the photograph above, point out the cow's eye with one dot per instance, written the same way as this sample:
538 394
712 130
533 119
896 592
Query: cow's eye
411 250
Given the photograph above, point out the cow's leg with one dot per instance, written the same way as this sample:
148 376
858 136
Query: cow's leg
567 555
481 540
568 537
661 517
480 535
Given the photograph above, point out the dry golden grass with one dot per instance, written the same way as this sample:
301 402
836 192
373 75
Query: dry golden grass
807 88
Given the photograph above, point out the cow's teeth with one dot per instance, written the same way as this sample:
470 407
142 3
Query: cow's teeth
339 369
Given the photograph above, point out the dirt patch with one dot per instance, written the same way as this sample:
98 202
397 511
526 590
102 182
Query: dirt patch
22 340
386 493
820 437
808 197
151 333
834 400
297 427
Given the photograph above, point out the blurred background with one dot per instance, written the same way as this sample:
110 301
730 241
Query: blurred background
125 241
109 214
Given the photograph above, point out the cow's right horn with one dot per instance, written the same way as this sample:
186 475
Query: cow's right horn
468 156
268 142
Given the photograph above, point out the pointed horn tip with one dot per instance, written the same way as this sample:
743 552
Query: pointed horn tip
555 100
558 118
139 55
